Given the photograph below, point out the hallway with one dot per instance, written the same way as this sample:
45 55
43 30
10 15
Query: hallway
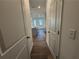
40 49
53 23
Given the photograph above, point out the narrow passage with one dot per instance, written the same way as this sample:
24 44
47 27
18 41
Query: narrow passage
40 49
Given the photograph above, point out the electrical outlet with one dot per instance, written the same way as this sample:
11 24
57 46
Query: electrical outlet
72 34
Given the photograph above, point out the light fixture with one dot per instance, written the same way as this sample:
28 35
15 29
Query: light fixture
38 6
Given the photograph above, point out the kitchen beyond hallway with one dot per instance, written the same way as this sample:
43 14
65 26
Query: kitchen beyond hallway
40 49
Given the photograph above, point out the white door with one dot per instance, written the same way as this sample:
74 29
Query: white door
28 25
58 25
55 26
51 27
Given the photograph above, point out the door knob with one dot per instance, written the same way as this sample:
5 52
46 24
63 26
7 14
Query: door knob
28 37
58 32
48 31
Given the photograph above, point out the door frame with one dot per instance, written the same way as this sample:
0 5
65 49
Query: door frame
60 30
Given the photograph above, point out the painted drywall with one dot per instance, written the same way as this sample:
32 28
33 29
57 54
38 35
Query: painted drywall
70 47
37 12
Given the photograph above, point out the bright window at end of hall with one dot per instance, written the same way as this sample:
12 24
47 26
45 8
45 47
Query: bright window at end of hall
40 22
34 22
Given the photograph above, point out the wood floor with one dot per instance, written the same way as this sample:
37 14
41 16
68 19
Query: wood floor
40 49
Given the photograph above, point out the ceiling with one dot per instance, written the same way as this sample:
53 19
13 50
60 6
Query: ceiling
35 11
36 3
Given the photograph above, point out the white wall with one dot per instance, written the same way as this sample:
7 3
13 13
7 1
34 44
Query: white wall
70 47
37 12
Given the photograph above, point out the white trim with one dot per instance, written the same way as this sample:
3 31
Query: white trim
2 54
20 52
52 52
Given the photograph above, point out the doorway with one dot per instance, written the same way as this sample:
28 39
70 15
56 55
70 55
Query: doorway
46 22
38 27
38 14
